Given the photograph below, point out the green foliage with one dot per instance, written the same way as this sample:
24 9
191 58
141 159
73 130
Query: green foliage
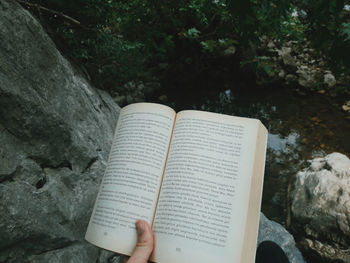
117 40
327 25
167 28
254 18
345 31
292 28
89 12
97 44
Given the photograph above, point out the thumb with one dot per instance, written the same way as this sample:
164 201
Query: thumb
145 243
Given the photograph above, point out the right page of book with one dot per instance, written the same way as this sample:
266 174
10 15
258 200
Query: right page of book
205 195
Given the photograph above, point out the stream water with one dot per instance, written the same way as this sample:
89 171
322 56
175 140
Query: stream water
300 128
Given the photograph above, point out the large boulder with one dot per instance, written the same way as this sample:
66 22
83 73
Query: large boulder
272 231
55 136
321 208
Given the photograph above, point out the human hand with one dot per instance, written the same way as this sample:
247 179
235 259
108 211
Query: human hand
145 243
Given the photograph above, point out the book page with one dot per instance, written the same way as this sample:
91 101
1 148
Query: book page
253 216
202 208
130 187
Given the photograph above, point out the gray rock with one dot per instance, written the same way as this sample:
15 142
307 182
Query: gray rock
75 253
272 231
305 77
329 80
287 58
109 256
321 207
55 136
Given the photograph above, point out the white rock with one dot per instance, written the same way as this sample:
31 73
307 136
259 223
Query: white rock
346 106
329 79
321 204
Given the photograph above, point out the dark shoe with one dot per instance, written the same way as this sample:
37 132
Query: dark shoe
270 252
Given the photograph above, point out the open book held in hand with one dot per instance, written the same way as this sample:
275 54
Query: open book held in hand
195 176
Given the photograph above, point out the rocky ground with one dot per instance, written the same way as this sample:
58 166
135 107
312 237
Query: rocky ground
296 65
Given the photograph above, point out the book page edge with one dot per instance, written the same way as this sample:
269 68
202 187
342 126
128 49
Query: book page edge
255 197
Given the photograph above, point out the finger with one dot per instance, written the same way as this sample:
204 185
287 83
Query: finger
145 243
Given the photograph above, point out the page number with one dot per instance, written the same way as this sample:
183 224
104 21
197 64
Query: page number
178 249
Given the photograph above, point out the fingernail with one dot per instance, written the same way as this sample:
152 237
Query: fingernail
140 227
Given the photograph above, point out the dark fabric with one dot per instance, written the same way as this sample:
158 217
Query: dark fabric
270 252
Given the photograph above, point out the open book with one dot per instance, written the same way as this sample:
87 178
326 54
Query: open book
195 176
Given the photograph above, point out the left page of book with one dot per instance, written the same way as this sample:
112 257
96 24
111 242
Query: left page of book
130 187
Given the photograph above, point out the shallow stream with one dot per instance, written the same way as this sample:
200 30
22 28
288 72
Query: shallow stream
300 128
